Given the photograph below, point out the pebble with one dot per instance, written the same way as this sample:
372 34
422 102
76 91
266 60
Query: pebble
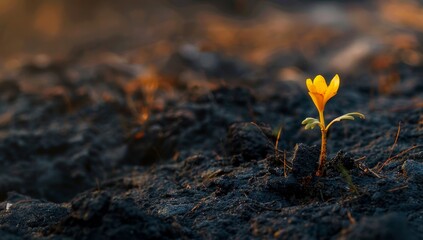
413 170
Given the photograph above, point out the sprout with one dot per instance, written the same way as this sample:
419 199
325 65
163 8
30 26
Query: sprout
320 93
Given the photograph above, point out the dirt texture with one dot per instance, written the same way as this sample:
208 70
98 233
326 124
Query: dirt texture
176 139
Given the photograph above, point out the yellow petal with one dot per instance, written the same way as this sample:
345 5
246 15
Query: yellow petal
335 83
320 84
310 86
332 89
318 100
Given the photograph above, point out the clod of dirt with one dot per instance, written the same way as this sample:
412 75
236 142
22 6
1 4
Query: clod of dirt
288 187
342 161
25 215
304 161
90 210
413 170
390 226
249 140
97 216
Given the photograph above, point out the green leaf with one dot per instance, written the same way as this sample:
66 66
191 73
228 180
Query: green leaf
310 123
348 116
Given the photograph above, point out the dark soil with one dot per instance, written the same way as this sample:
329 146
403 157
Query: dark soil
101 145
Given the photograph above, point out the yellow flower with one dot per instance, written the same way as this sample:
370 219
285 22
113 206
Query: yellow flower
320 92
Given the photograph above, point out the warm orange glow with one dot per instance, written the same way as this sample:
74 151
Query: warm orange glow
8 6
139 135
48 19
147 84
406 13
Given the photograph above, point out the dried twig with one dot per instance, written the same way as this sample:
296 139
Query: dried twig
366 169
392 148
268 140
398 188
360 159
396 139
285 174
405 151
277 144
398 155
277 139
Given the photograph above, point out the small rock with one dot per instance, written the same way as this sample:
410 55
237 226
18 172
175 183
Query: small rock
377 196
173 210
8 206
413 170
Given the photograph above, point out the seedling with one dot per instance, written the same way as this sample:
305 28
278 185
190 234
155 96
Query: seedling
320 93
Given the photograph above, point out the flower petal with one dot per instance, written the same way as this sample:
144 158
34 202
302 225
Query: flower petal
320 84
332 89
310 85
335 83
318 100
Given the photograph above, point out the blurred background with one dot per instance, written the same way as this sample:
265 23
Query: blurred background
307 35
